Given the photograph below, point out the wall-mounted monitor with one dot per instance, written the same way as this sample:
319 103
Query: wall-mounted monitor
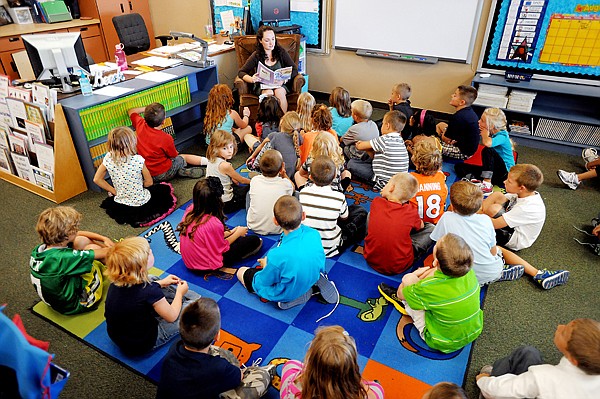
275 11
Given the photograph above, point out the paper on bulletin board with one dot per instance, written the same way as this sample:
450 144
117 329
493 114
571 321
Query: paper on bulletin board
220 3
234 3
228 19
305 5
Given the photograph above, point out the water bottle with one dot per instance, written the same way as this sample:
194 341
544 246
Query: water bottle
84 84
120 57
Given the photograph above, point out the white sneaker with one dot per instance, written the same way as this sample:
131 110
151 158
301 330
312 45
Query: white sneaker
569 178
589 154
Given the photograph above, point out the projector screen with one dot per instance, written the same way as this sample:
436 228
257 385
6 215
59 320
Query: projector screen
432 28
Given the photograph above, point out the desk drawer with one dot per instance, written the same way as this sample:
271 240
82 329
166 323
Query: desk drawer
10 43
87 31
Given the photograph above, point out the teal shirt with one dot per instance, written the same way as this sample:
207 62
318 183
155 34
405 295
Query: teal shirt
501 143
340 124
453 317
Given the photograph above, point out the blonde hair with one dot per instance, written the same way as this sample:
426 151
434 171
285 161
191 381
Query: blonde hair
326 144
427 158
362 109
494 119
527 175
304 107
55 225
127 262
466 198
219 139
220 101
405 186
122 144
584 345
403 89
291 124
331 368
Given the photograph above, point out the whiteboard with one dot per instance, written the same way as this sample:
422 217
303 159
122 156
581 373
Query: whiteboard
435 28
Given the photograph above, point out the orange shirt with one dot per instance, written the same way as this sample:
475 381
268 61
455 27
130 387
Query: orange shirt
431 197
307 143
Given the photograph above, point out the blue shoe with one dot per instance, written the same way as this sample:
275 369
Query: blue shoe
327 290
550 279
298 301
512 272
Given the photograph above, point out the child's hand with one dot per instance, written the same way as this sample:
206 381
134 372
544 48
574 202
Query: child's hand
241 231
246 112
421 271
108 242
182 287
250 161
262 262
169 280
596 231
481 376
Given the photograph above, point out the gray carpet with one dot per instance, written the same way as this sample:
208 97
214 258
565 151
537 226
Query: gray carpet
515 312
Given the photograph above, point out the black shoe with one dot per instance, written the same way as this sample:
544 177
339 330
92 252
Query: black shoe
389 293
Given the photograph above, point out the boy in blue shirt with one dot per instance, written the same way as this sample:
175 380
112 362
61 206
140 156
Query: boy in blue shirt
290 269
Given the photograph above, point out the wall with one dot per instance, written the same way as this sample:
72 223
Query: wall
368 78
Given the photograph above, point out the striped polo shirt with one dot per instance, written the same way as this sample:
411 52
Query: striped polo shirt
323 206
453 317
391 157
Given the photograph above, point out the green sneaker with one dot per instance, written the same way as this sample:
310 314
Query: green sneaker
389 293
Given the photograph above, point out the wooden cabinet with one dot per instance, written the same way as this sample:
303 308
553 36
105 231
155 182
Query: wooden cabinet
11 42
105 10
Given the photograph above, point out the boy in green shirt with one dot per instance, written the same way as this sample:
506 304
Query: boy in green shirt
64 270
442 301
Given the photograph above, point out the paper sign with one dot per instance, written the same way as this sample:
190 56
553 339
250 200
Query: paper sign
228 19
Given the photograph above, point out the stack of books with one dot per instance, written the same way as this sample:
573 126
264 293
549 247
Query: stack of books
491 96
517 126
520 100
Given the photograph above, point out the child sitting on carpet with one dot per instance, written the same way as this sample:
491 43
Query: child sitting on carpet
430 199
321 122
134 299
341 110
267 121
442 301
265 189
205 242
220 116
522 374
221 149
460 136
290 269
63 269
194 368
133 199
445 390
330 370
395 233
364 130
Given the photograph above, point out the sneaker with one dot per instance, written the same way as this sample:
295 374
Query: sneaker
568 178
327 290
298 301
512 272
486 187
589 154
194 172
389 293
487 369
550 279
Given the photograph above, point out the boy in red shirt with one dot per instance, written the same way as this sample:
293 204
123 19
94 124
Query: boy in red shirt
395 233
158 148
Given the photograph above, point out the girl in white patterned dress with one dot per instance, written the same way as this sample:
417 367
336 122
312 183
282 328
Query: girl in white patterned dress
133 199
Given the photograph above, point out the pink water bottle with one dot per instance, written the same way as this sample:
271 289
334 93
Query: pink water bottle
120 57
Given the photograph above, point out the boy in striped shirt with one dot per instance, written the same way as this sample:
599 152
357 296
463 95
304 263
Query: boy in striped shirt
327 212
390 155
442 301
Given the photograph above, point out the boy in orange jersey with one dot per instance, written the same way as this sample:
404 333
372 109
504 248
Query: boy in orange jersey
430 200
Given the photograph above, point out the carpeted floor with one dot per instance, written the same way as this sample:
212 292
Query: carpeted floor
515 313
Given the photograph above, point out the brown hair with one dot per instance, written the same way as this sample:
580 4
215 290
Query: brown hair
288 212
331 368
304 107
584 345
362 109
321 117
445 390
340 100
220 101
454 255
270 163
206 202
403 89
466 198
527 175
322 170
154 114
127 262
468 94
219 139
200 323
427 158
122 143
55 225
396 119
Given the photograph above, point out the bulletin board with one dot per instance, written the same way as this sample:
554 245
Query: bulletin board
310 14
554 38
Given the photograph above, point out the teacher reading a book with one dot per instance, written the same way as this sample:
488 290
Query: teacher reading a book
273 56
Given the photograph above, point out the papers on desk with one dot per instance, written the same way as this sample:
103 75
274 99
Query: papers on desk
169 50
158 62
156 76
112 91
215 48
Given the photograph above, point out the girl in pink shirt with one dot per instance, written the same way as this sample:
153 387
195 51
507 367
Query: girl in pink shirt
205 242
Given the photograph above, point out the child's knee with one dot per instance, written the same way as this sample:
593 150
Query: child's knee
240 274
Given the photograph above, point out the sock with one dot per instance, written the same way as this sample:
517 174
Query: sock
345 183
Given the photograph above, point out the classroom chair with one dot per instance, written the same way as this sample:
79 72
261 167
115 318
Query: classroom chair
133 33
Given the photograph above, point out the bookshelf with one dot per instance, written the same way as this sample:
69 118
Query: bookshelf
68 177
565 117
91 118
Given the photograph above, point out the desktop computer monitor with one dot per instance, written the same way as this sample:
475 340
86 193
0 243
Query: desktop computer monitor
275 11
57 57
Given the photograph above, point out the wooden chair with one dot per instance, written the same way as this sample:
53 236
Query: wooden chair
244 47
